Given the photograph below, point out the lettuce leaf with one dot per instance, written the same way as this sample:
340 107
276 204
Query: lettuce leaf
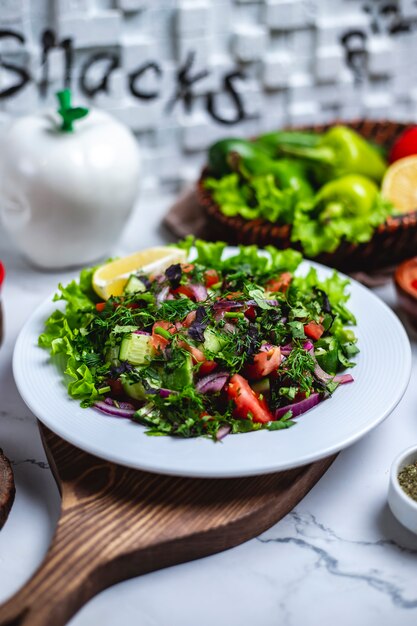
318 236
259 197
64 331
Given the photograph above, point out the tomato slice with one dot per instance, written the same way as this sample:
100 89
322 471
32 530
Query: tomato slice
187 267
211 277
250 313
246 400
196 353
264 363
159 342
189 319
314 330
116 386
207 367
281 283
197 356
185 290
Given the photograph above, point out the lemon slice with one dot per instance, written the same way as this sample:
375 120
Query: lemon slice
400 184
110 279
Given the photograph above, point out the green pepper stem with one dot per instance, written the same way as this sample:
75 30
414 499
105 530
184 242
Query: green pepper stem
68 113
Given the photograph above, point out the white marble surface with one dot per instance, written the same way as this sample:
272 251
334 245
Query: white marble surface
340 556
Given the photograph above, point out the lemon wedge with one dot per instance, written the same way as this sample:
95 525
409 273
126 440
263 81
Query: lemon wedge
111 278
400 184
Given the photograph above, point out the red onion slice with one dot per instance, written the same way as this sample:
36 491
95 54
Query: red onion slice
323 376
162 295
115 411
342 379
212 382
265 300
228 305
223 432
199 292
298 408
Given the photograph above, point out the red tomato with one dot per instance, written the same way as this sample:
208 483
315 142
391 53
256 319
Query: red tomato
2 273
189 319
116 387
233 295
159 342
101 305
197 355
250 313
211 277
281 283
264 363
247 401
314 330
406 145
187 267
185 290
207 367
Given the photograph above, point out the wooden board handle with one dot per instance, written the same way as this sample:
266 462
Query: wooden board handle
58 588
117 523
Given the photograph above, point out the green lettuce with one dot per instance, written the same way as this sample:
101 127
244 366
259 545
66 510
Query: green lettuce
64 335
318 236
258 197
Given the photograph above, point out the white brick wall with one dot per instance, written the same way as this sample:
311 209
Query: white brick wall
205 69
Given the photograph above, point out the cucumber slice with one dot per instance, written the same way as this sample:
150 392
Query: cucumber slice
134 390
147 413
261 386
212 341
136 349
181 377
112 355
134 285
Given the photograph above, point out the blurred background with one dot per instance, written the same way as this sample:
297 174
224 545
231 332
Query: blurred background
183 73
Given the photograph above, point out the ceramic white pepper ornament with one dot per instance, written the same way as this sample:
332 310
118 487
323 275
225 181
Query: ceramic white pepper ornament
67 188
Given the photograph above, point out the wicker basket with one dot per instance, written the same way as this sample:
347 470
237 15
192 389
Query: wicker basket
391 243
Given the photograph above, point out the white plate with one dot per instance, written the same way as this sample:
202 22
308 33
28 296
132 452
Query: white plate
381 377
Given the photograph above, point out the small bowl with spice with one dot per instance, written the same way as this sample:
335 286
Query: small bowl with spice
402 492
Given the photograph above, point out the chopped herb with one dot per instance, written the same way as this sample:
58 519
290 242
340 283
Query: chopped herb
408 480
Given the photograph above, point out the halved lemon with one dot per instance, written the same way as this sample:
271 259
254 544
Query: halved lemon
400 184
110 279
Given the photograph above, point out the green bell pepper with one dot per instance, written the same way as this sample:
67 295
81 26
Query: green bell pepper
276 141
249 159
349 195
219 153
342 151
288 173
348 208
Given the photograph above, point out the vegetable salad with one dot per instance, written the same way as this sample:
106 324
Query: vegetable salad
221 344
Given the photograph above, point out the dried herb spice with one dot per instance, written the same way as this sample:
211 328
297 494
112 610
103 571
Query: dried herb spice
408 480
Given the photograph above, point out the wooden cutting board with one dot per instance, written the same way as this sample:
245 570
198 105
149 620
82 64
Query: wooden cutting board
117 523
7 489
